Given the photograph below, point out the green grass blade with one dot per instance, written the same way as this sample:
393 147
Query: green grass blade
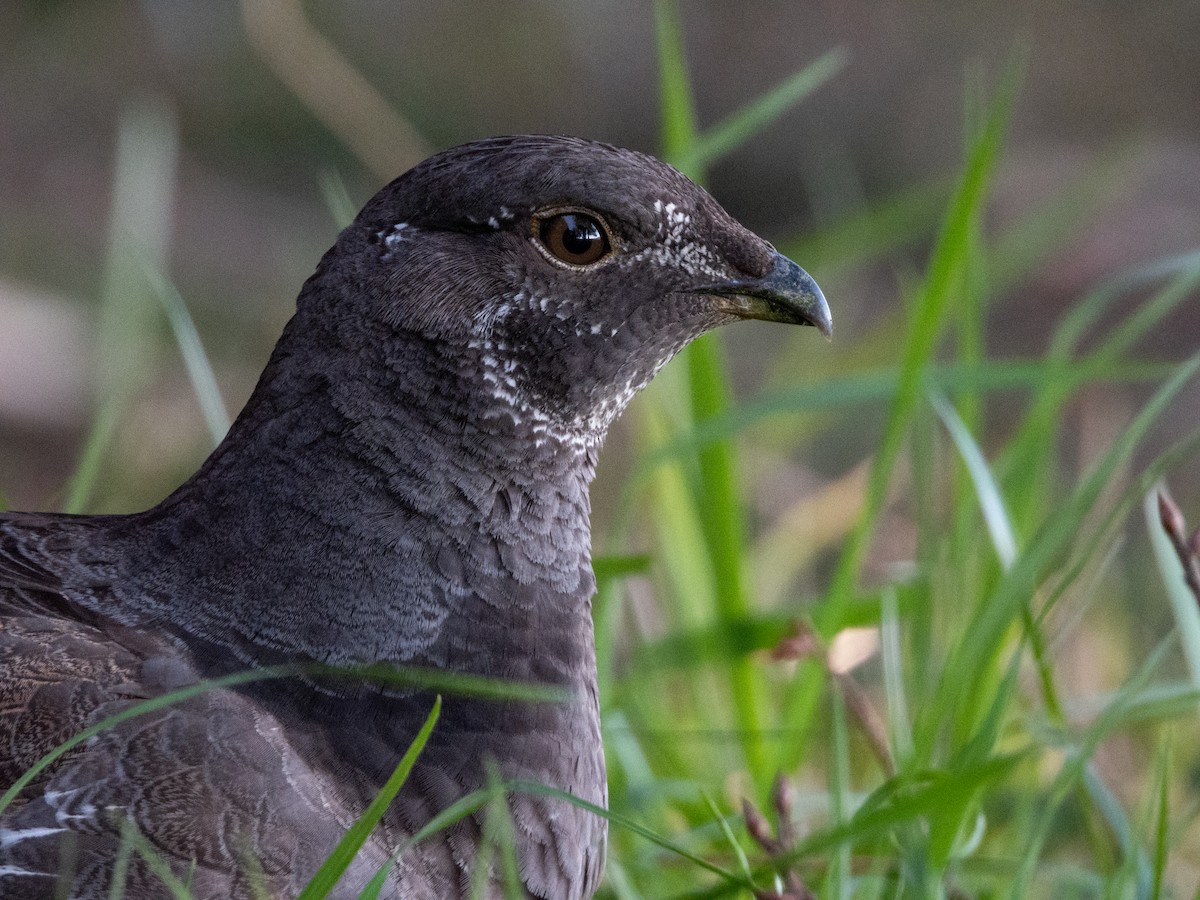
342 208
754 117
723 823
898 718
617 880
177 888
684 564
120 869
1159 703
837 878
613 566
443 681
343 854
499 832
717 641
1184 286
1106 802
680 526
1179 269
253 875
678 113
475 801
95 446
995 516
1162 824
722 517
983 742
455 812
139 227
376 885
199 369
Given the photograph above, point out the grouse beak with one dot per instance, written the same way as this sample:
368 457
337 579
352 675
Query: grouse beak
785 294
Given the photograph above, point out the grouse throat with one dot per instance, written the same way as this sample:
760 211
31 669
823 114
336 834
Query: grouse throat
407 485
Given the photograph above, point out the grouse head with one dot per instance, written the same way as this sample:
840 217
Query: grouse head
570 270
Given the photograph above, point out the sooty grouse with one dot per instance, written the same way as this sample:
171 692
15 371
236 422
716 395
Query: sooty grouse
408 484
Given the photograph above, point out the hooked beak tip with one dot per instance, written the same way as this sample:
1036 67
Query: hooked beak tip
785 294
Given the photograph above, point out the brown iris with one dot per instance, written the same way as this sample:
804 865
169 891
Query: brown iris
574 238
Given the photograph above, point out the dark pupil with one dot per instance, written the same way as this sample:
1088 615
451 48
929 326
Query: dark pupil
579 234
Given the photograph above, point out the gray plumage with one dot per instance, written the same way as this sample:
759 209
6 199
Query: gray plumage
408 484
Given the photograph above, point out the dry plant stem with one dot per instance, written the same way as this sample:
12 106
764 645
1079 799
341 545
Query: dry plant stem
1187 548
778 845
858 702
803 642
783 799
336 93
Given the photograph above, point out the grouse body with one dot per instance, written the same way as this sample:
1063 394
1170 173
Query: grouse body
408 486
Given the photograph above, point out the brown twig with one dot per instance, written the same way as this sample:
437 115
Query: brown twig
777 846
1186 548
803 642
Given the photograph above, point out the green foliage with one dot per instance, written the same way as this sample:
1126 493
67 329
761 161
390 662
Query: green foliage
326 877
700 711
143 186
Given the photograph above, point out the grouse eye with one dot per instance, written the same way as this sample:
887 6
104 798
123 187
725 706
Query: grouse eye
574 238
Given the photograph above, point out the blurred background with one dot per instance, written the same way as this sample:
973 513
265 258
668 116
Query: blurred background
172 152
255 105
